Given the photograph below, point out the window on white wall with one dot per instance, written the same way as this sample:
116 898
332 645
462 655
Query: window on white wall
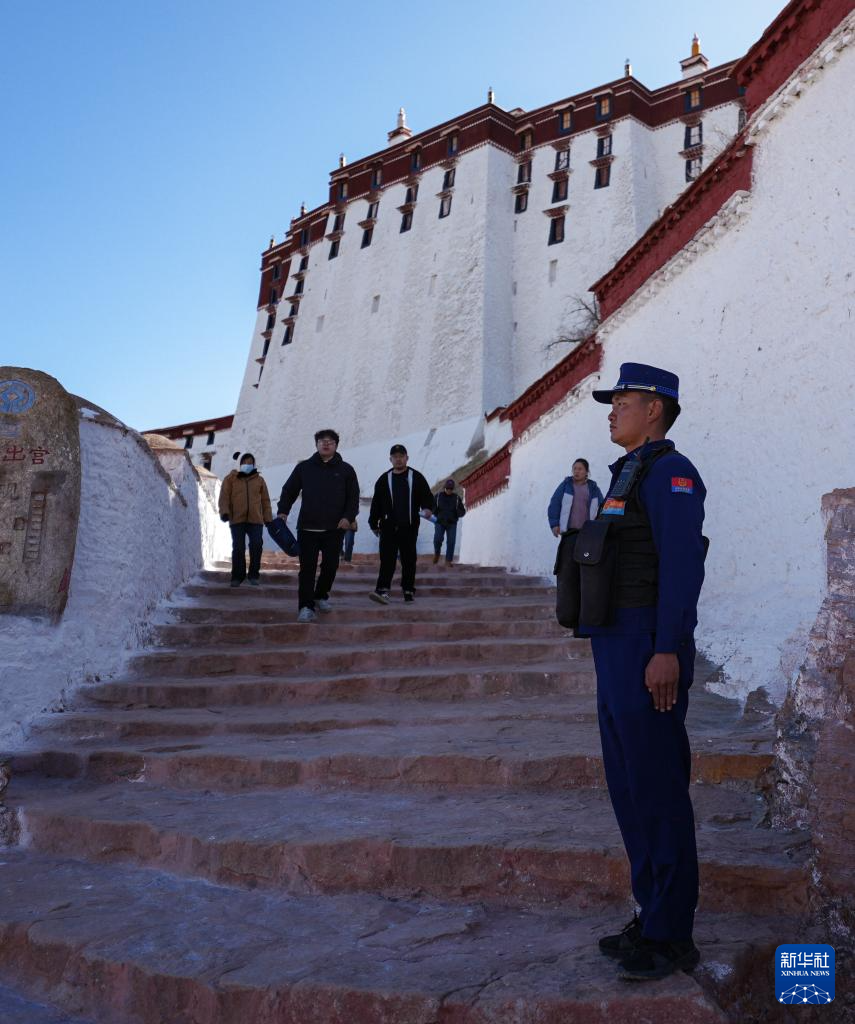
521 204
604 146
559 190
445 206
562 160
556 230
333 250
367 235
524 173
448 178
694 136
375 303
693 168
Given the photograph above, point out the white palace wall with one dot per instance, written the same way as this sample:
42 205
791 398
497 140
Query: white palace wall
755 315
458 315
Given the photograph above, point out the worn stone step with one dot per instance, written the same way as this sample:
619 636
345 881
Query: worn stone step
287 595
367 575
141 947
489 844
333 659
182 634
517 743
358 609
453 682
18 1009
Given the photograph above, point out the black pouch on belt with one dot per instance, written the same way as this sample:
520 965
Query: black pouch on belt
567 593
595 554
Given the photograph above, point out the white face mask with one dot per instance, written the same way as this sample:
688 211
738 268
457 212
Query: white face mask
247 467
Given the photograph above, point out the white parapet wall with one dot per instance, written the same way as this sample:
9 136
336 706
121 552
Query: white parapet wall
148 522
756 316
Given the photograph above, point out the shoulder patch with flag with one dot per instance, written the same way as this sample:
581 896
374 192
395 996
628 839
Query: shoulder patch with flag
683 484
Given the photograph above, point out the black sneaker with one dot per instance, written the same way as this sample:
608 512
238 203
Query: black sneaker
409 595
624 942
651 960
235 583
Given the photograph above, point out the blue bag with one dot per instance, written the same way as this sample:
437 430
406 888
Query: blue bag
281 535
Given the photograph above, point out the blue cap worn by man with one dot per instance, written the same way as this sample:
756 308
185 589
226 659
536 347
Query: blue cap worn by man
643 646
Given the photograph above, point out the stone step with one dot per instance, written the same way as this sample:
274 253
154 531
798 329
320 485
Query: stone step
287 593
17 1009
181 634
490 845
452 682
142 947
367 575
332 659
359 610
519 743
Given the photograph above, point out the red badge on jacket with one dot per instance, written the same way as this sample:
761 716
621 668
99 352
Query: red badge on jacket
683 484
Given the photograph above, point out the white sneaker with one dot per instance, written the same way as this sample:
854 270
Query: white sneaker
323 605
380 596
306 615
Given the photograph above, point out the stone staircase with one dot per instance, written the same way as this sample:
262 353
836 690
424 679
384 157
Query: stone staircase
392 815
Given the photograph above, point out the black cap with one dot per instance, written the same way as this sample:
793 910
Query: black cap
397 449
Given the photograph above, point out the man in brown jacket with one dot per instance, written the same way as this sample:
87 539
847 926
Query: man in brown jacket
245 506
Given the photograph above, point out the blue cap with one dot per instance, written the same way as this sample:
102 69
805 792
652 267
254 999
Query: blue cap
640 377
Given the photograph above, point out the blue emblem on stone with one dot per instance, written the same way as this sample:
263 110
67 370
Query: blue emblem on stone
16 397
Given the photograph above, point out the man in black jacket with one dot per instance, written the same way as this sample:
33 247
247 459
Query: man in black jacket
330 504
448 509
399 494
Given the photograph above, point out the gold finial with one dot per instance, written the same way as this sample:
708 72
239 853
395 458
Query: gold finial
491 96
696 45
342 160
627 68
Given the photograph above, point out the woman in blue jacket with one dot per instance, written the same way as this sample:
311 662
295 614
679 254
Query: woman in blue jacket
576 500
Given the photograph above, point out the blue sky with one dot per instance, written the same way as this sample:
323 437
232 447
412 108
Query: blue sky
151 149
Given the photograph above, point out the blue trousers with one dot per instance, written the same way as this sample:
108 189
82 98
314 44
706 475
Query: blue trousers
450 534
648 767
241 533
347 544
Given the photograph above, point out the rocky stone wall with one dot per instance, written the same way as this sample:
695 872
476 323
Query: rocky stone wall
815 787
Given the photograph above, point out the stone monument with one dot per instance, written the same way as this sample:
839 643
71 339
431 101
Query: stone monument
39 492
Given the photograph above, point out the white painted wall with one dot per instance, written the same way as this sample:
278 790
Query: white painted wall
468 305
143 531
756 318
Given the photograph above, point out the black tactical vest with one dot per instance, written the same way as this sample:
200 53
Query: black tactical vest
636 583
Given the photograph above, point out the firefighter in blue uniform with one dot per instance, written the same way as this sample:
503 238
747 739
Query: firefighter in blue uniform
650 552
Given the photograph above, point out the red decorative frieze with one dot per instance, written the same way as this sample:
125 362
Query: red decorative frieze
549 389
791 38
730 172
489 478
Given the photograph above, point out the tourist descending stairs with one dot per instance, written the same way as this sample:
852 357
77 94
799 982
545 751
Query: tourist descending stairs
393 814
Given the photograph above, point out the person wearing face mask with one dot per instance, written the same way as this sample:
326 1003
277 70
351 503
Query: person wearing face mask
245 506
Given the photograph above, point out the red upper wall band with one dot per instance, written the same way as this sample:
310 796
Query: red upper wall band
791 38
549 389
490 477
730 172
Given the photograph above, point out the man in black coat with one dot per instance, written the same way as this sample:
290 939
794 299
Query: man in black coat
399 494
330 504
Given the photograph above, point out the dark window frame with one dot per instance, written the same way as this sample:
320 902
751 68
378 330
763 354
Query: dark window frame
603 176
453 144
444 207
689 106
562 160
448 178
560 190
600 114
562 128
334 247
524 172
521 203
688 142
367 237
557 230
604 146
406 221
